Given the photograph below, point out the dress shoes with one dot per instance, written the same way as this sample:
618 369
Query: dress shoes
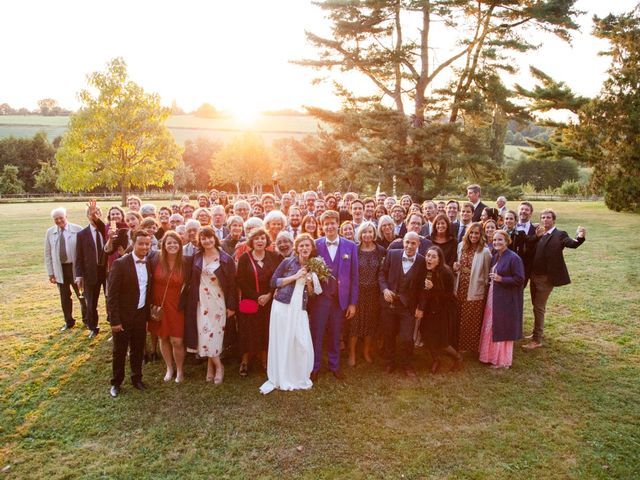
65 328
339 375
140 386
314 376
114 391
93 334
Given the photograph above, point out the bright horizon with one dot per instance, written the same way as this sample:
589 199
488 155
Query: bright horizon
232 55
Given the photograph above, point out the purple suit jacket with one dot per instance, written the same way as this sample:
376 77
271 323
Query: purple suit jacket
347 271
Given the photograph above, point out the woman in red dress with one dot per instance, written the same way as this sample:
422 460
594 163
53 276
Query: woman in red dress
170 269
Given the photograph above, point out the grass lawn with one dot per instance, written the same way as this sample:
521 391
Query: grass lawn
569 410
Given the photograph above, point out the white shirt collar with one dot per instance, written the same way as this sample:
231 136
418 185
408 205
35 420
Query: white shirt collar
475 205
337 240
135 258
404 255
550 231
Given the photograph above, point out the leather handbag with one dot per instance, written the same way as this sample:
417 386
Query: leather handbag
157 312
248 305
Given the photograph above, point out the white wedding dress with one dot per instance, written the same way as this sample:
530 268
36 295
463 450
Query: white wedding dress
290 358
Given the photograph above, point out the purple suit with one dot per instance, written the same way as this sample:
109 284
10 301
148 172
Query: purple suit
328 309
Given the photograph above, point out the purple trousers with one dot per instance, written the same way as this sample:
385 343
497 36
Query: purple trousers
325 315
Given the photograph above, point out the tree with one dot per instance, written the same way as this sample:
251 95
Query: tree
48 107
118 138
26 154
46 178
606 135
198 155
245 161
206 110
413 125
544 173
5 109
183 178
9 181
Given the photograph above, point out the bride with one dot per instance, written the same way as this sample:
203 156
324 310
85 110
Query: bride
290 358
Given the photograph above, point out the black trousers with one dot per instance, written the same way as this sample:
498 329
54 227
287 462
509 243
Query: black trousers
398 321
65 296
132 339
91 296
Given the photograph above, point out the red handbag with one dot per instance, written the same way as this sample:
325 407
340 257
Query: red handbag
248 305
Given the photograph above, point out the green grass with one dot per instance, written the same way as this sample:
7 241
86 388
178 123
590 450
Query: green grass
569 410
183 127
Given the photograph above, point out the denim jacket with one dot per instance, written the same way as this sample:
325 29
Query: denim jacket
289 266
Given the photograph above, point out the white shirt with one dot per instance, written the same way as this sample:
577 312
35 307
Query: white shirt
333 249
524 227
143 278
219 232
550 231
407 262
475 205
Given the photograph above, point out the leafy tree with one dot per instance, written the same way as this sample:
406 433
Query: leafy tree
48 107
9 181
118 138
245 160
412 126
5 109
26 154
544 173
198 155
183 178
46 178
606 135
206 110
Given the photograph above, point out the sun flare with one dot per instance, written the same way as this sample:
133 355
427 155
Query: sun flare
245 114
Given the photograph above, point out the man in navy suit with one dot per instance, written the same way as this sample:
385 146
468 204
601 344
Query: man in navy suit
401 279
339 294
548 269
91 265
128 300
473 194
528 247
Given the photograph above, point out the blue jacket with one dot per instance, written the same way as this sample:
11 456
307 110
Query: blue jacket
289 266
508 297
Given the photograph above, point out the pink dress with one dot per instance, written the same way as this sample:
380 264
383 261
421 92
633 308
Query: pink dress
499 354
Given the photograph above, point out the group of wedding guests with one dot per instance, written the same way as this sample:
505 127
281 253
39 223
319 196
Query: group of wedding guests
394 274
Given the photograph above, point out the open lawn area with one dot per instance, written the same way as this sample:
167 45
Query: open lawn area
568 410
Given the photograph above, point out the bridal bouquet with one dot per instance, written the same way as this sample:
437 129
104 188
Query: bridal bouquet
320 268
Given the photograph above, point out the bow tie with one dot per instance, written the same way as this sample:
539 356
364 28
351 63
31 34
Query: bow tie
334 243
408 259
141 261
521 225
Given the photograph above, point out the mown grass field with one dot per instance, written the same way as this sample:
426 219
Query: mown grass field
569 410
183 127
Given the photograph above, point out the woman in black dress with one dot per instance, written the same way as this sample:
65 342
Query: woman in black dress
443 238
438 304
255 266
365 322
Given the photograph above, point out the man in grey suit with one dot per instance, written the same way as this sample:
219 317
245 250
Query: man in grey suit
59 257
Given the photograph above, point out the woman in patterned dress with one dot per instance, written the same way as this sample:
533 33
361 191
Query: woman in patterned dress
472 268
365 322
212 299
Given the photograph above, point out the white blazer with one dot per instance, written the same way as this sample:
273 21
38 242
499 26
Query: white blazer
52 250
479 277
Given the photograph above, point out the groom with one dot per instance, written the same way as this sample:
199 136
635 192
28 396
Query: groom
339 294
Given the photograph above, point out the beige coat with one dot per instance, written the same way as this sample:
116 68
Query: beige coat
52 249
479 279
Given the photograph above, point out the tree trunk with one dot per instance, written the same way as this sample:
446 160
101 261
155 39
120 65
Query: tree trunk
124 192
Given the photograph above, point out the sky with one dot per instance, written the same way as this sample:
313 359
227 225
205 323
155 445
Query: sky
233 54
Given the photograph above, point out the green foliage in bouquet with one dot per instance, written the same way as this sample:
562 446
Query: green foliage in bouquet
320 268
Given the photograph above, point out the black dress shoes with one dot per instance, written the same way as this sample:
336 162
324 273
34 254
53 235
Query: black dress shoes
140 386
114 391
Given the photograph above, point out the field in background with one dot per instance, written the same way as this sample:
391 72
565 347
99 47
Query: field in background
183 127
569 410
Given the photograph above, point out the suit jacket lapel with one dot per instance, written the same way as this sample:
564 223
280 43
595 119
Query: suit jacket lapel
134 273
